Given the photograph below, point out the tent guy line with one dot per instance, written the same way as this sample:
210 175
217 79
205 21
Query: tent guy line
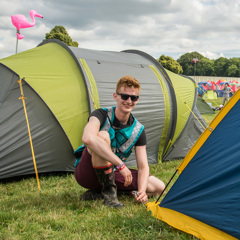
22 97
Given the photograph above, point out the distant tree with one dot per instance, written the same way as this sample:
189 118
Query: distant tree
60 33
232 71
170 64
220 66
205 67
185 61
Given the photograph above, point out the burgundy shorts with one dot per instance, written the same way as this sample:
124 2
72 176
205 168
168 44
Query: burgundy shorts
87 178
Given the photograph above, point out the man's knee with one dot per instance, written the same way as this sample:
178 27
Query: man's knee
155 186
96 159
105 136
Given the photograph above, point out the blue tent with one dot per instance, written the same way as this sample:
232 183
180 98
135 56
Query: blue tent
205 199
201 90
205 83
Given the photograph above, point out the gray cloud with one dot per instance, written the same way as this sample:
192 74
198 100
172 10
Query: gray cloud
156 27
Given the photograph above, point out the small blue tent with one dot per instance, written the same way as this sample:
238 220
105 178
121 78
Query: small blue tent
201 90
205 199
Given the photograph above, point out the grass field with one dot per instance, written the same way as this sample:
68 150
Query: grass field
57 213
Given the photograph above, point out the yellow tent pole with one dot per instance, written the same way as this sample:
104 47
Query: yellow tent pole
29 133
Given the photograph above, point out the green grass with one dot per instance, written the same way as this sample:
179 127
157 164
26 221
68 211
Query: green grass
57 212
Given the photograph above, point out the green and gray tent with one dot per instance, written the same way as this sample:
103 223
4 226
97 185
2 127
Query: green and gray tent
62 85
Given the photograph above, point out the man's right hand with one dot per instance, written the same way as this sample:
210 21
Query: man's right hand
126 173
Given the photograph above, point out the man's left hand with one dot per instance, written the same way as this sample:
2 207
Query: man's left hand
142 197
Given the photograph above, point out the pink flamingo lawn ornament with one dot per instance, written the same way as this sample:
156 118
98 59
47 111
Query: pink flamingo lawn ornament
20 21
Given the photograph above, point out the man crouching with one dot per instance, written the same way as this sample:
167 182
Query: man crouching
108 140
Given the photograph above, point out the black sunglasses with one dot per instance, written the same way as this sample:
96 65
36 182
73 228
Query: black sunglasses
125 97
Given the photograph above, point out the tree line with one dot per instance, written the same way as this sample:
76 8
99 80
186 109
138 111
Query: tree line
183 65
204 67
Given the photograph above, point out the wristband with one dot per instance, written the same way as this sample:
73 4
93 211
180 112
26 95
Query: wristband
121 166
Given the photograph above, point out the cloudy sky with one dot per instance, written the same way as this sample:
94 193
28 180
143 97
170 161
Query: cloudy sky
169 27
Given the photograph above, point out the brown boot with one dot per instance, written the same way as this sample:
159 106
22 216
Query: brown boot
106 178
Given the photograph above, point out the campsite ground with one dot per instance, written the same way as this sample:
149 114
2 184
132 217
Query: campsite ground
57 213
215 103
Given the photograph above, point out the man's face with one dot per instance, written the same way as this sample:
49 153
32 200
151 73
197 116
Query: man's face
126 105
